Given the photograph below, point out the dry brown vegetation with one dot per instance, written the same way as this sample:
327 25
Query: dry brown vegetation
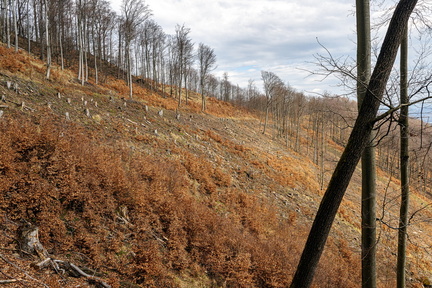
207 201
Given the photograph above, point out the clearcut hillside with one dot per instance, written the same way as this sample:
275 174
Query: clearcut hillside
136 193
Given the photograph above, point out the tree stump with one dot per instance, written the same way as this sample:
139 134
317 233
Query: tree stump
29 241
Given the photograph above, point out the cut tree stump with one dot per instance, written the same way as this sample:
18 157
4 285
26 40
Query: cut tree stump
29 241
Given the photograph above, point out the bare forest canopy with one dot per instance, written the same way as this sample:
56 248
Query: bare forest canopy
114 161
92 37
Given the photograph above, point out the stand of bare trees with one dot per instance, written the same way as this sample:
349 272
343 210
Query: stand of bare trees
90 35
206 60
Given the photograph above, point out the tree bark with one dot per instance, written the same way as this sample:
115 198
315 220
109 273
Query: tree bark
7 23
48 41
368 202
15 20
404 164
357 141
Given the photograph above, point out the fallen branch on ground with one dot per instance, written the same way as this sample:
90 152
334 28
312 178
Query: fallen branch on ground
23 271
74 268
8 281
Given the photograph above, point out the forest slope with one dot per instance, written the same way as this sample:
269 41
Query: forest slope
145 197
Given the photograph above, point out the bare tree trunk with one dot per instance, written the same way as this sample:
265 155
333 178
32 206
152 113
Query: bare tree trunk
322 153
3 16
203 98
96 68
61 50
14 17
404 164
120 52
48 43
186 86
129 74
180 81
28 27
7 8
357 141
86 48
80 43
266 117
128 68
368 203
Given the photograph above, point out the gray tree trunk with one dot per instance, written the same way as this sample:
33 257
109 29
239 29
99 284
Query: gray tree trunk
61 50
129 70
3 15
48 41
14 17
368 206
28 28
7 22
357 141
266 117
80 43
404 164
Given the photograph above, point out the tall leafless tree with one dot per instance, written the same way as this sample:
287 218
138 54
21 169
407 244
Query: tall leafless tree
134 13
404 164
81 28
183 47
271 85
206 61
48 40
225 88
358 140
15 22
368 204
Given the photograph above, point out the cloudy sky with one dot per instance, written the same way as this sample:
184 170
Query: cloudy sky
274 35
280 36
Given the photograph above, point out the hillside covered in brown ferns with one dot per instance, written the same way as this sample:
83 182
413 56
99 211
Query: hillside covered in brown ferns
135 194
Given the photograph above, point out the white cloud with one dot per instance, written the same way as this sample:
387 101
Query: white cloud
253 35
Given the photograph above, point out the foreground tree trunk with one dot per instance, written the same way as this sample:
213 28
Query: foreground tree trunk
356 143
404 164
368 202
